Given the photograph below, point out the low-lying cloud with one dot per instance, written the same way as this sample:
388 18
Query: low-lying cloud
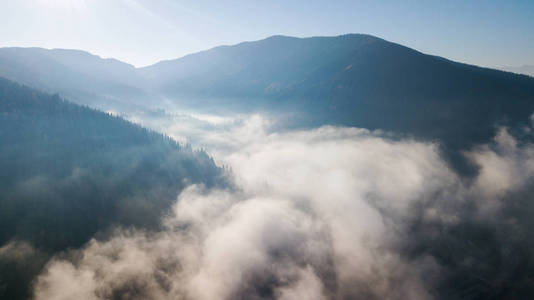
328 213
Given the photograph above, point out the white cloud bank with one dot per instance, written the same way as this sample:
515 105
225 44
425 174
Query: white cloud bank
317 214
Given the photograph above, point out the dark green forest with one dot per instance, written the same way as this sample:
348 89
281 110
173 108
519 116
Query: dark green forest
68 172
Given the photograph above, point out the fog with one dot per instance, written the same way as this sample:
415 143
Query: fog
325 213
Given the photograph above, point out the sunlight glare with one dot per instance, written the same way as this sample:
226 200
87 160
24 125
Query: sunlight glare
72 5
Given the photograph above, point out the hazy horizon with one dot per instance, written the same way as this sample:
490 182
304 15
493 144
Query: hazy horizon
142 32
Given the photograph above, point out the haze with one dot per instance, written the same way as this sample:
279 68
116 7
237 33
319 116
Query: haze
142 32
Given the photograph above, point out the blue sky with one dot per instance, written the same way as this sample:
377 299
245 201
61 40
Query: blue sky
141 32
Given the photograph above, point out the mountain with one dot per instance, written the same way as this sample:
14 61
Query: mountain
526 70
356 80
77 75
351 80
68 172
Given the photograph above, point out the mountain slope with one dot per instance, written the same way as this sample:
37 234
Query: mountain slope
68 172
356 80
352 80
78 75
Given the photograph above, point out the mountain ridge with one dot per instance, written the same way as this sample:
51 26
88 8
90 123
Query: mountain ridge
349 80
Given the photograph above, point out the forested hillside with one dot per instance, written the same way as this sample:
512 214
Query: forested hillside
68 172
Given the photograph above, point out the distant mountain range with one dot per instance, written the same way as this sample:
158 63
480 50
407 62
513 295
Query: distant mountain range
356 80
77 75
